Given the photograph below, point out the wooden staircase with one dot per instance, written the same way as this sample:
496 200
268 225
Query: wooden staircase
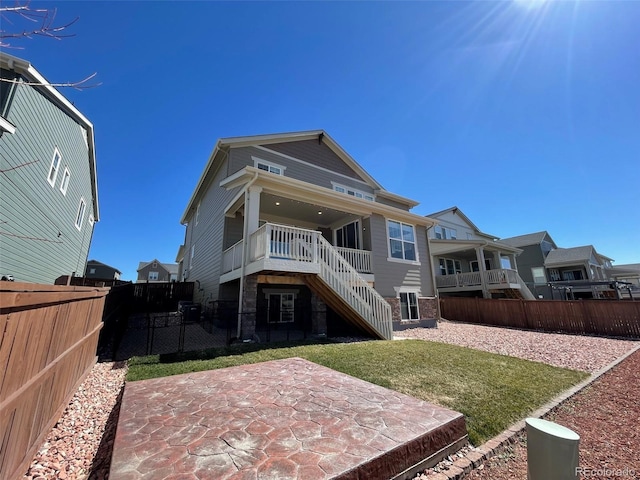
336 282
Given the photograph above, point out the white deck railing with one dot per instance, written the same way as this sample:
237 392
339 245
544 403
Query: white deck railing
297 244
358 259
232 258
501 276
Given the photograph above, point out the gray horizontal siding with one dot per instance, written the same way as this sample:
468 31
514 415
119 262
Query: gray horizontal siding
392 203
208 238
241 157
317 153
39 240
396 274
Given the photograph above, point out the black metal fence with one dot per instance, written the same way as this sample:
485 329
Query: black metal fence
194 329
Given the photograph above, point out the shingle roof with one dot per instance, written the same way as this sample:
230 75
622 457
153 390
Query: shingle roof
524 240
170 267
567 255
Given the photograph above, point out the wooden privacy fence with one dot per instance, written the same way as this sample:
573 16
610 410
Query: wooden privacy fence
618 318
48 342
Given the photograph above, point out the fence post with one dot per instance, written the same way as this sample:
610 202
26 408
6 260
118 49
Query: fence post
523 307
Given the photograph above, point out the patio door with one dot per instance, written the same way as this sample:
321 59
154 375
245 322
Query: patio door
348 236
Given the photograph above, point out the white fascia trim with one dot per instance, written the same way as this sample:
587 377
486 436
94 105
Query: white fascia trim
7 126
302 162
398 198
208 168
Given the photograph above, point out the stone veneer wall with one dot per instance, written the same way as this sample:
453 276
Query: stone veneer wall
428 307
249 306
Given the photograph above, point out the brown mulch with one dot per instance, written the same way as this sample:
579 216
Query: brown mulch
605 415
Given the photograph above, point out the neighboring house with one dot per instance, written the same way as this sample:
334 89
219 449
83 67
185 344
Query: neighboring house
290 223
535 248
470 263
48 183
628 273
155 271
561 273
102 271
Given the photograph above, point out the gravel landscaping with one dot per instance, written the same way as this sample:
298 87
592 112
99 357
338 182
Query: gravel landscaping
577 352
79 446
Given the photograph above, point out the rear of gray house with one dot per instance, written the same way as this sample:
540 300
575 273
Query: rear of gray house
283 224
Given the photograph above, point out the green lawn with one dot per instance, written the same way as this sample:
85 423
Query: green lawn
492 391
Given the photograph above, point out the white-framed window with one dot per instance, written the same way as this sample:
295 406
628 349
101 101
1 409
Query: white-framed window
450 266
55 167
64 184
281 307
538 275
153 276
352 191
409 306
445 233
268 166
92 271
402 241
198 213
193 254
80 215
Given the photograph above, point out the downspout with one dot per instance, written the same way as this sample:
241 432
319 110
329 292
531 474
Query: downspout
245 228
433 275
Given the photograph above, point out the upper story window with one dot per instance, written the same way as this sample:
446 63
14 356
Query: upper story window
198 212
80 216
55 166
268 166
153 276
352 191
64 184
402 241
445 233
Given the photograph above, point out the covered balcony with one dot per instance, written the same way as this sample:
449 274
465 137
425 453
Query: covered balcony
287 228
476 265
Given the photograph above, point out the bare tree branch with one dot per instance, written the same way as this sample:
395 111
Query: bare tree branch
22 12
80 85
26 22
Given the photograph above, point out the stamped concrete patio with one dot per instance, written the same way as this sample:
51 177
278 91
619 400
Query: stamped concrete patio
278 420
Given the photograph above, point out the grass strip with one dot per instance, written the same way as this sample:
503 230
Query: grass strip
492 391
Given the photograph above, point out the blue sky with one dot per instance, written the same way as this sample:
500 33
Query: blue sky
524 114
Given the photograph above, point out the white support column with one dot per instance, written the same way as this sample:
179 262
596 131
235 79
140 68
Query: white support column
482 269
252 208
497 261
